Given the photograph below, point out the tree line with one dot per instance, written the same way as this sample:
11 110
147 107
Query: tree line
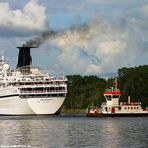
87 90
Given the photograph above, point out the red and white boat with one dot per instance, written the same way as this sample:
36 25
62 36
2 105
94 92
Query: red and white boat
112 107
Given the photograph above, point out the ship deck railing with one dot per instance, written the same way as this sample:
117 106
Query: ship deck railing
112 90
41 85
131 103
43 92
32 80
40 79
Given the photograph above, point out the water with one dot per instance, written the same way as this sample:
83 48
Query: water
66 131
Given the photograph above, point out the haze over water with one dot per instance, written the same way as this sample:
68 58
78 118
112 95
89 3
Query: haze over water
66 131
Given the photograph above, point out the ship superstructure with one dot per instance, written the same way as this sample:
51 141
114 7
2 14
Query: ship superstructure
29 90
113 108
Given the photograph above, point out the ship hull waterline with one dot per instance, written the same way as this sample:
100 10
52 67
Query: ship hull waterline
15 105
117 115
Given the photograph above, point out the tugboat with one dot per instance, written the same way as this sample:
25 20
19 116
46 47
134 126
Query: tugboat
112 107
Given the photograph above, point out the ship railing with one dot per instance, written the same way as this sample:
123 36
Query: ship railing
131 103
27 80
42 85
8 92
112 90
59 78
43 92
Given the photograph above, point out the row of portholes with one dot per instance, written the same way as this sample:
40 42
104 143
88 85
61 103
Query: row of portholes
131 108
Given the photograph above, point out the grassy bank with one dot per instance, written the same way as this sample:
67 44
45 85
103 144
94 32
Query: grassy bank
73 110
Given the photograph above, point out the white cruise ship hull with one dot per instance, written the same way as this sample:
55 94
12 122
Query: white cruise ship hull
15 105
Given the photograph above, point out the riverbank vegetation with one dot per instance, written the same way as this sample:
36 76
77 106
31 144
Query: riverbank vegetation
87 90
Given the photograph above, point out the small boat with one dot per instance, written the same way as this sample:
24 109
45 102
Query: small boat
112 107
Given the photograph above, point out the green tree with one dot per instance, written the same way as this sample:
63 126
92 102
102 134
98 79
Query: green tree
134 82
85 90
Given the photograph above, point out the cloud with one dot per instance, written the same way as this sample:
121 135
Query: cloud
15 22
144 9
99 46
89 47
92 45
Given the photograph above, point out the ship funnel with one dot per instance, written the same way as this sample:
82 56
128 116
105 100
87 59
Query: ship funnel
24 57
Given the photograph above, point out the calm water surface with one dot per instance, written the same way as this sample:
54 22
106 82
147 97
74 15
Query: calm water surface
66 131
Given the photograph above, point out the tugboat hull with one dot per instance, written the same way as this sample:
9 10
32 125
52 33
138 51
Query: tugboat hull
117 115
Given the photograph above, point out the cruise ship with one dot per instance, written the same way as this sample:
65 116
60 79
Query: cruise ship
28 90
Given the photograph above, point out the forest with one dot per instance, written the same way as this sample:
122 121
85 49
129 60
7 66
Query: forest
87 90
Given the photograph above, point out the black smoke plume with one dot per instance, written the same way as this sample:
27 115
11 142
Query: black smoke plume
24 56
37 41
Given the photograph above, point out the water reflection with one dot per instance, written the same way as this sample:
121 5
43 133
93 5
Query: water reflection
108 133
82 133
75 132
15 132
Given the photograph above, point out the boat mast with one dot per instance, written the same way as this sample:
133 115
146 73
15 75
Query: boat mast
116 84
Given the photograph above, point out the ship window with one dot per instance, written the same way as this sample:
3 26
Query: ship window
108 98
115 96
105 108
119 108
125 108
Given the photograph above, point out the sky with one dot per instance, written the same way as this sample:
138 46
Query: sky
87 37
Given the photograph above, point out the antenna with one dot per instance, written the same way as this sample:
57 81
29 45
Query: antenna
116 84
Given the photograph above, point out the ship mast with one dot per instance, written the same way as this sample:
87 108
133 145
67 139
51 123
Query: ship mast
116 84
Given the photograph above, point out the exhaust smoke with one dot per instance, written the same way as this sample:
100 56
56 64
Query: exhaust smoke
37 41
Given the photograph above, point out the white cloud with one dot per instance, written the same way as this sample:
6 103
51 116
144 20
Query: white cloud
93 47
32 17
102 45
144 9
99 47
111 48
93 69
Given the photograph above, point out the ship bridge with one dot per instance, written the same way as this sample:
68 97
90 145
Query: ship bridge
112 96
